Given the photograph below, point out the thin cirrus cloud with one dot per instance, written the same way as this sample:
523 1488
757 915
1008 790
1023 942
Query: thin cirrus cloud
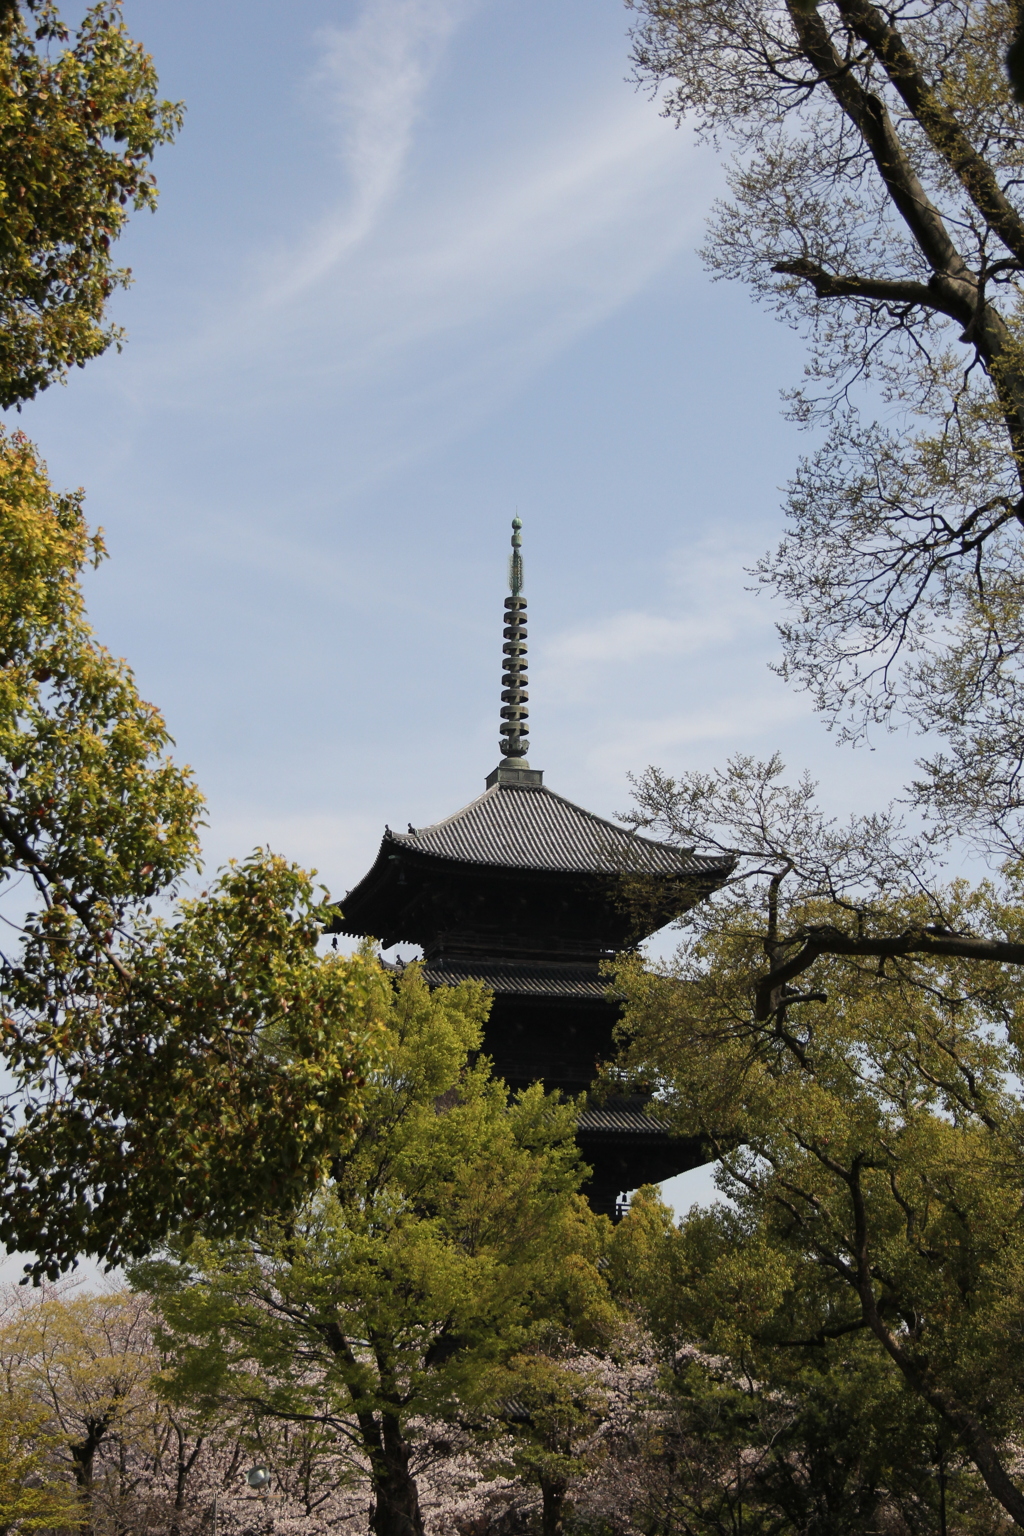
718 614
423 301
625 638
374 76
669 740
671 685
579 224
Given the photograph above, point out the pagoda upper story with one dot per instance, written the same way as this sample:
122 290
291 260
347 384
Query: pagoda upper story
523 875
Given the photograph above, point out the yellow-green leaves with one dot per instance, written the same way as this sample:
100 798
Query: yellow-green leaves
449 1238
199 1063
33 1495
778 1402
871 1137
79 126
90 802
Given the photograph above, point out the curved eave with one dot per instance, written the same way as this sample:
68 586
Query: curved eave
375 906
528 827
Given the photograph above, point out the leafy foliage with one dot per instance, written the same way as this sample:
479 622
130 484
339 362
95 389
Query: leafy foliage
31 1498
448 1233
99 1449
168 1066
81 1367
868 1125
555 1402
79 126
759 1432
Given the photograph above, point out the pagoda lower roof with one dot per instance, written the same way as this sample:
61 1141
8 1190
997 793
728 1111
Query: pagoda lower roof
623 1117
520 827
512 979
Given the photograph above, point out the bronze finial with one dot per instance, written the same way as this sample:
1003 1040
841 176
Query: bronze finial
515 559
514 742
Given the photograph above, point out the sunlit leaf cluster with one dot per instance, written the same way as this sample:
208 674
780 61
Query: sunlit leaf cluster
80 122
167 1064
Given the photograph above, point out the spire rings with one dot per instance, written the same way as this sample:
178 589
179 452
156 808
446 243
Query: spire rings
514 713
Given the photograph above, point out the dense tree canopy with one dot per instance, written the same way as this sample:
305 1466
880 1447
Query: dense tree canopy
868 1121
168 1064
762 1429
449 1240
79 126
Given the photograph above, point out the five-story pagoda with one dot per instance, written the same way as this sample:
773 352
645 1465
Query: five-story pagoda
528 893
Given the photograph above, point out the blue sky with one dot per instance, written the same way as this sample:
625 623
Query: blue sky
419 264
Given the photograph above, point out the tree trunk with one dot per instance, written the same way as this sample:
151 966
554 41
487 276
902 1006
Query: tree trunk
553 1491
396 1507
395 1510
183 1466
83 1457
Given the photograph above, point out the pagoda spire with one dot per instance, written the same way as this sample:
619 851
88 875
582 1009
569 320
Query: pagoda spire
515 730
514 771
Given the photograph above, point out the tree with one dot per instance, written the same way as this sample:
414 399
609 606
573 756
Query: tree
82 1420
580 1423
877 202
868 1124
552 1404
445 1233
846 1024
818 886
78 130
759 1436
183 1064
85 1363
33 1497
170 1063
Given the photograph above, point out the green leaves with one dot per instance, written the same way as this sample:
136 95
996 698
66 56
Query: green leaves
33 1494
202 1065
78 130
780 1410
90 803
210 1085
449 1237
869 1134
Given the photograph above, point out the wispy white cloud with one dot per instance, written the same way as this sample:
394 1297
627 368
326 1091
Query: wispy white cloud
418 304
568 232
678 683
375 75
636 742
625 638
709 612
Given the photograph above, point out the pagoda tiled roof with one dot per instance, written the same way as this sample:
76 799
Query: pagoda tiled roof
533 828
623 1119
521 979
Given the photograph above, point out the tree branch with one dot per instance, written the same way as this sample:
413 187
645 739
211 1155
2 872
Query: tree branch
960 288
827 940
833 285
944 130
870 117
822 1336
81 909
963 1423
